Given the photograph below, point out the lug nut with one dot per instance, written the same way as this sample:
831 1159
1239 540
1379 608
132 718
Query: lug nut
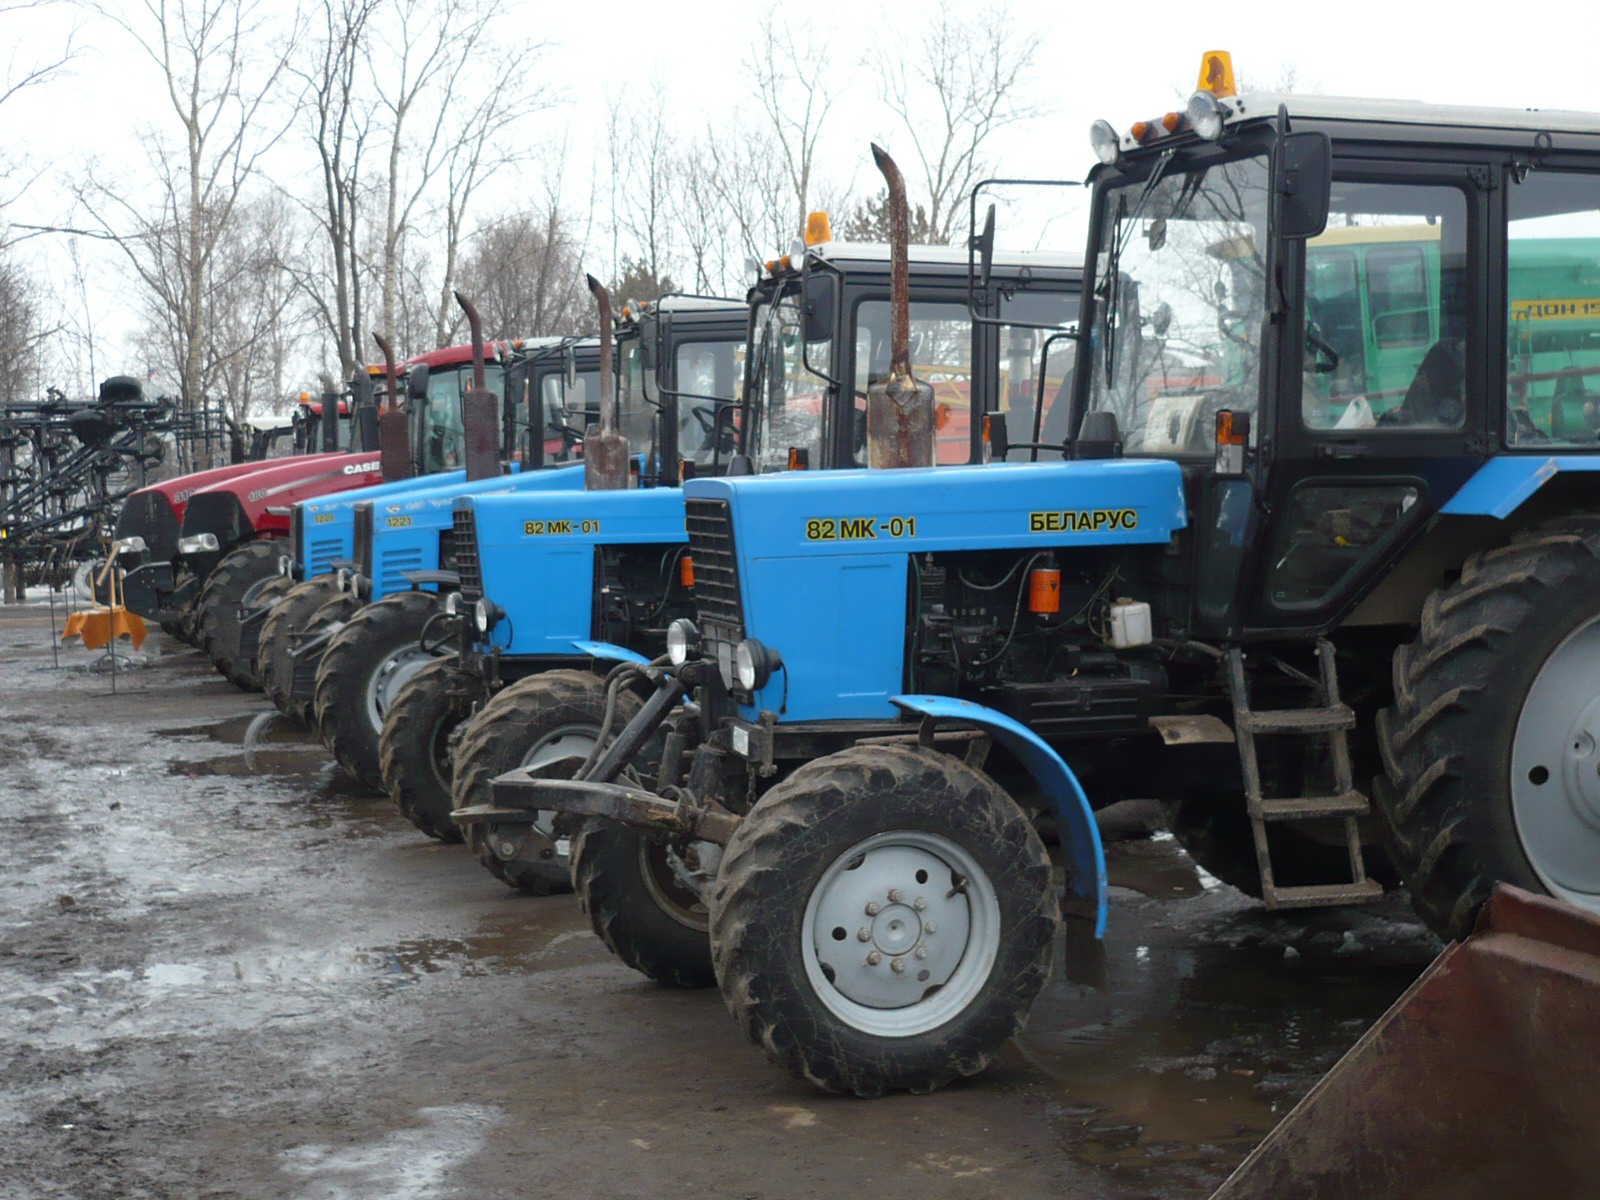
863 934
921 952
930 927
873 908
874 959
894 895
898 964
919 904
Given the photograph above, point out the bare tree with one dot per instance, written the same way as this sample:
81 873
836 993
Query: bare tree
219 60
952 91
642 197
425 66
334 114
20 333
526 275
795 91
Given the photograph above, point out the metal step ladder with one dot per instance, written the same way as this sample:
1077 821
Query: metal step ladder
1332 719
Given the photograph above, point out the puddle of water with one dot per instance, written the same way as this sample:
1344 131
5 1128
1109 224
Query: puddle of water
1219 1017
232 731
290 760
406 1164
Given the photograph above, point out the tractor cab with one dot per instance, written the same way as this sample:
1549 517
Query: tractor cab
1333 312
551 395
820 325
436 383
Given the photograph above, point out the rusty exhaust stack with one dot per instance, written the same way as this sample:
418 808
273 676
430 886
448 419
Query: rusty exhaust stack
480 408
605 450
900 429
394 441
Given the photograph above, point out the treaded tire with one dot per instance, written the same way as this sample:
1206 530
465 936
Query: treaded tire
502 736
784 851
415 752
372 640
1459 691
290 615
644 917
240 569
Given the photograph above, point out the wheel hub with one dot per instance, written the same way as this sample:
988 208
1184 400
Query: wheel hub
1555 769
391 675
892 925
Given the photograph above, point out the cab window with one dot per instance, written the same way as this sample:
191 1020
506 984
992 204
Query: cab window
1553 309
941 356
1022 352
1385 310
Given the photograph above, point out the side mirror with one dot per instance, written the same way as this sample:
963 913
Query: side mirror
820 301
651 332
417 382
1302 182
983 243
569 368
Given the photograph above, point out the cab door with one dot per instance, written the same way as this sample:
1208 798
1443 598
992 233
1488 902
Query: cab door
1380 409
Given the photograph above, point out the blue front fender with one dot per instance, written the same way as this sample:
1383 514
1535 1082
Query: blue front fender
605 650
1080 835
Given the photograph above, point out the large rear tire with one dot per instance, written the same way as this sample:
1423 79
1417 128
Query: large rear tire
416 752
240 569
883 920
546 716
640 907
1492 746
363 670
289 616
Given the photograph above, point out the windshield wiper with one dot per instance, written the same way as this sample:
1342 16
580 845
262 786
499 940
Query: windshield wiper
1118 244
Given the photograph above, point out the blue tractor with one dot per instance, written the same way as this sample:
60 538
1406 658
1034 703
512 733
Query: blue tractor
819 340
1343 629
679 368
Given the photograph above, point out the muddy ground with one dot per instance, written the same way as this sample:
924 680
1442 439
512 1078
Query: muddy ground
221 979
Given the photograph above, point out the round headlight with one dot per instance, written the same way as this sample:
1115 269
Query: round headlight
683 639
1104 141
452 604
483 615
1206 116
341 579
753 664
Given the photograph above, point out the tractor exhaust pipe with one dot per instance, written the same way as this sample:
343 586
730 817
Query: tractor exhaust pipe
330 414
900 430
480 408
394 443
605 449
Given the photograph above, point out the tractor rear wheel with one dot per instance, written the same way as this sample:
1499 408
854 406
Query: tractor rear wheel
363 670
289 616
883 920
416 752
1492 746
551 715
218 607
640 906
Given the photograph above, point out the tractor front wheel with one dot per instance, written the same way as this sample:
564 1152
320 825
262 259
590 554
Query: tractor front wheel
542 718
220 633
416 751
363 670
274 662
644 901
883 920
1492 746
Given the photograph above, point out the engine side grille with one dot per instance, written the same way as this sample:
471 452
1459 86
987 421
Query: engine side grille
716 573
297 536
465 546
391 569
361 548
323 554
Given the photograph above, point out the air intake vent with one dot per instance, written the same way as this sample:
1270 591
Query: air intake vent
465 546
716 573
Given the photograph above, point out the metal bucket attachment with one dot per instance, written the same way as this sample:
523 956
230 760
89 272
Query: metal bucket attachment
1481 1082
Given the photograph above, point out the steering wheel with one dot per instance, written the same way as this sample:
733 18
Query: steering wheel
1325 358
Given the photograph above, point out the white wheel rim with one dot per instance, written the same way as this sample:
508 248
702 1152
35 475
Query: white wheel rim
659 867
920 926
384 684
1555 770
565 742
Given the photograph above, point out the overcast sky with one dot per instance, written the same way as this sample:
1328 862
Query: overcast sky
1120 61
